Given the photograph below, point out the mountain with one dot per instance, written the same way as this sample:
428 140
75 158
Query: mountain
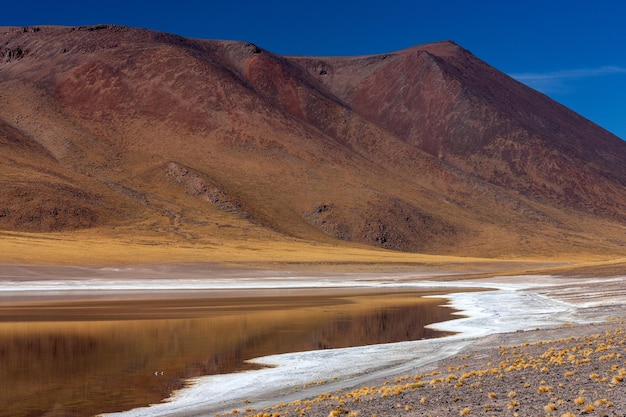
428 149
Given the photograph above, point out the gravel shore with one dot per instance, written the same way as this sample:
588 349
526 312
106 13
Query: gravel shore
571 370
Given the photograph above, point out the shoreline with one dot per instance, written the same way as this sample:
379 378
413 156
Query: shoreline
547 301
568 370
296 376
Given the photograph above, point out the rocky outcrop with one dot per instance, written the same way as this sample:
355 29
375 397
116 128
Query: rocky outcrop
198 185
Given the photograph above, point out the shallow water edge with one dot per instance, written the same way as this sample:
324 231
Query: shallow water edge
515 304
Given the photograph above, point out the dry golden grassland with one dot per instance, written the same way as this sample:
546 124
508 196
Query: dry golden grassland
102 247
87 248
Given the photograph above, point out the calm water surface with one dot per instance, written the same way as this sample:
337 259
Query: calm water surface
80 358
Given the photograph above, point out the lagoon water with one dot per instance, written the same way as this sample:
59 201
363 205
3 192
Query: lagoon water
82 357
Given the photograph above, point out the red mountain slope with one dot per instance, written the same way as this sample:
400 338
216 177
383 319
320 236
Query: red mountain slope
427 149
445 101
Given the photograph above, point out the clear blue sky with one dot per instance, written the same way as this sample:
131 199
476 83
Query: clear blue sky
574 51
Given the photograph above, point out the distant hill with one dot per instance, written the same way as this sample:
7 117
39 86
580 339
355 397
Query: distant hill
427 149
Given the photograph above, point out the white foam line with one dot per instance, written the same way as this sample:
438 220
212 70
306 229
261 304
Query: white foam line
506 309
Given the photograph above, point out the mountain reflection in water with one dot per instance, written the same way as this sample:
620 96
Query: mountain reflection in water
103 355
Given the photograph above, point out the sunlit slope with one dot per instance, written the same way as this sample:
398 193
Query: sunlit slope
121 136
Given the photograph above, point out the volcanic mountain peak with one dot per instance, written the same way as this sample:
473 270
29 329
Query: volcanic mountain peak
427 148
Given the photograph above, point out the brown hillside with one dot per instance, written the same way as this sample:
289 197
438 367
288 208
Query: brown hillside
427 149
443 100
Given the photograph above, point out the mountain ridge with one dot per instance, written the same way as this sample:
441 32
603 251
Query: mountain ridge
425 149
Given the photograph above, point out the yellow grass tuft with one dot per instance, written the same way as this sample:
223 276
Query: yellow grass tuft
466 411
549 407
544 388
